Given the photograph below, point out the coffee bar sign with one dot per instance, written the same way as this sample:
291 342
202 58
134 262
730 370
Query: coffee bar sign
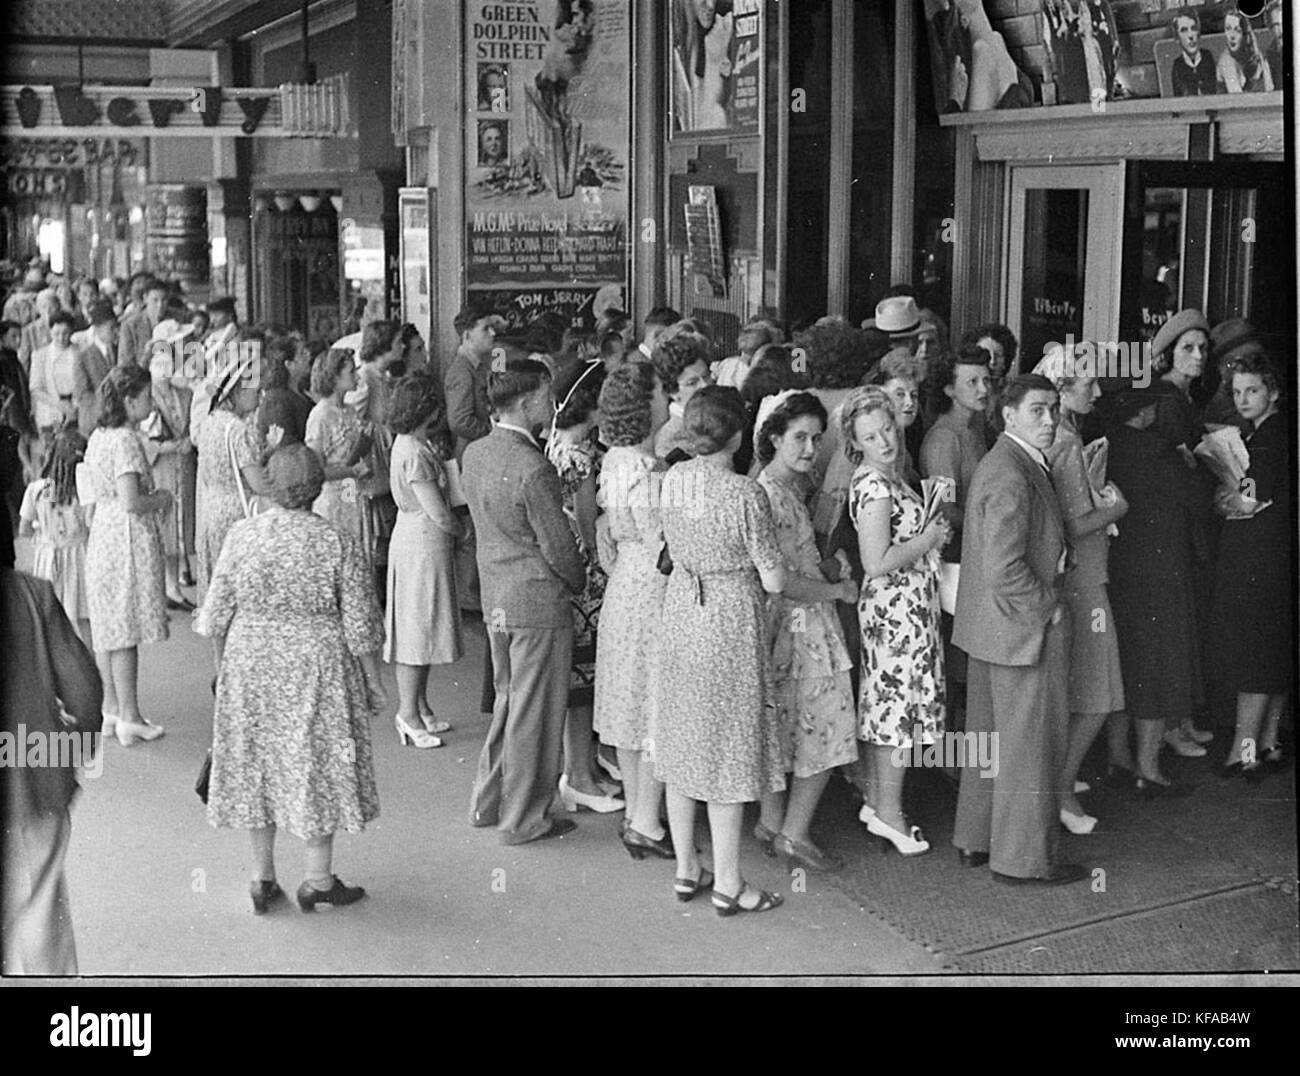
291 110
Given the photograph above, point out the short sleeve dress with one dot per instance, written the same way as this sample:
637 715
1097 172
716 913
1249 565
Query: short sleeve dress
627 646
333 432
124 555
810 662
291 728
222 434
716 736
60 548
576 464
422 619
1096 679
901 696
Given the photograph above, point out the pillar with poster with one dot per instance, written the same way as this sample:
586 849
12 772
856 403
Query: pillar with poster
546 151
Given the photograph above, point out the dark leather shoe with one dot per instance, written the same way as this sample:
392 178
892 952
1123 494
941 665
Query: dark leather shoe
338 894
972 859
559 827
482 821
1061 874
265 895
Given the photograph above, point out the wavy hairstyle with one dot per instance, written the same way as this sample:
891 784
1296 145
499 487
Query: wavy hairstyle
798 406
624 402
861 401
121 384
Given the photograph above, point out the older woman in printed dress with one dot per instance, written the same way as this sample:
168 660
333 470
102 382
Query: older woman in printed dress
293 616
229 454
124 557
810 662
335 434
901 697
633 408
575 453
1096 682
717 737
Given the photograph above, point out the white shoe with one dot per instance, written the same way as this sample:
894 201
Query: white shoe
110 724
1081 786
573 799
609 767
432 723
867 813
1182 745
1196 735
1079 824
415 737
128 732
912 843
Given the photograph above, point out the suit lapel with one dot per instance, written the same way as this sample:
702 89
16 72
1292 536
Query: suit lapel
1040 483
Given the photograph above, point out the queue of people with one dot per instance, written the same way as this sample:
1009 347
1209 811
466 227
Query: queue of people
864 542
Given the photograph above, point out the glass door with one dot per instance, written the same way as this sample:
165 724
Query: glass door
1063 268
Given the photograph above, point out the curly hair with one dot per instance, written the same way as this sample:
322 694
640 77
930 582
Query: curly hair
1261 366
326 369
713 417
861 401
995 331
898 362
943 373
674 352
577 393
794 407
122 383
377 339
68 449
278 353
837 354
416 399
625 403
296 476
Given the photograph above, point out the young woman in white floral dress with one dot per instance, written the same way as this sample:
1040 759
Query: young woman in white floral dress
810 662
336 435
901 697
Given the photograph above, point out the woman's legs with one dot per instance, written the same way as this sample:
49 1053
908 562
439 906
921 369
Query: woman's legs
724 827
771 811
104 661
411 680
263 853
125 670
1119 752
1268 737
643 793
320 858
1083 730
805 794
171 573
887 779
1150 735
580 751
681 821
1251 711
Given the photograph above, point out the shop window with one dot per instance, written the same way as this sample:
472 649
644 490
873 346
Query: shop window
871 197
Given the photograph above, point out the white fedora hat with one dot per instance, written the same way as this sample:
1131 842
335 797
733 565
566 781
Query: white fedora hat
897 315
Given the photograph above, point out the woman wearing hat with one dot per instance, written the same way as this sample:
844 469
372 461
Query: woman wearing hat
1096 685
1180 352
1254 586
1151 584
229 462
292 615
124 557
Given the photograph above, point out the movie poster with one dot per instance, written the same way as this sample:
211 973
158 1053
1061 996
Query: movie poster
717 60
547 85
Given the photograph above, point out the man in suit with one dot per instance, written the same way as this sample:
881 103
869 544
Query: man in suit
96 355
137 328
1192 71
529 564
1011 621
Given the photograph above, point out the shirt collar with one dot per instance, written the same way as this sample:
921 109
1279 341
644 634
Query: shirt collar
644 350
676 410
521 431
1034 454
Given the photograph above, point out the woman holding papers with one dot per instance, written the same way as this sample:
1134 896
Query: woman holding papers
1253 590
902 691
1090 506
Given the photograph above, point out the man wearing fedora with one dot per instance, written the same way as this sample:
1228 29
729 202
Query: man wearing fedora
1011 620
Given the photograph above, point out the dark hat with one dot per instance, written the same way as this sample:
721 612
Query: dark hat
1171 330
1230 335
224 305
1123 403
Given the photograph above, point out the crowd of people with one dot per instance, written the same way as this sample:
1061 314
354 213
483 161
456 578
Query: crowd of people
702 577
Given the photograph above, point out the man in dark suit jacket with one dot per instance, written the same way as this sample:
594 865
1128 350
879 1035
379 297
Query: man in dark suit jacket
137 329
1011 621
47 672
529 564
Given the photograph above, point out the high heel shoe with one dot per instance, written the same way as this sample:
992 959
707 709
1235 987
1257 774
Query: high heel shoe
128 732
573 799
1079 824
765 837
109 727
912 843
433 724
415 737
727 906
866 812
1183 745
813 858
687 890
639 846
609 767
338 894
1150 790
265 894
1201 736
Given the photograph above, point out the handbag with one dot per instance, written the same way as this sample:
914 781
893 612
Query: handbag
253 504
204 778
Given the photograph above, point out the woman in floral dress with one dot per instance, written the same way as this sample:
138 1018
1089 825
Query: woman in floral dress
336 435
574 452
716 733
293 616
901 697
633 407
810 663
124 555
227 439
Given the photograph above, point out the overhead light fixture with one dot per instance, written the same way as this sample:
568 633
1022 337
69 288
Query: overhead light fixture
336 200
261 203
309 202
284 202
